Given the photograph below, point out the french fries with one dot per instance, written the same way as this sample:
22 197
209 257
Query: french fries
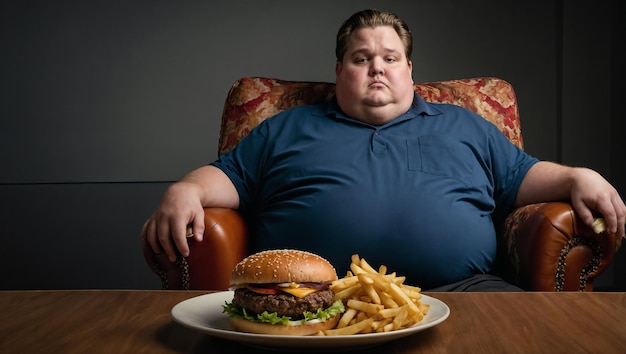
599 225
375 301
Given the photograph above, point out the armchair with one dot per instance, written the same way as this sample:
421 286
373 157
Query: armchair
542 247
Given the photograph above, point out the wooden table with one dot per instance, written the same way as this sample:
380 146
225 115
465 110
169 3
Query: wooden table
127 321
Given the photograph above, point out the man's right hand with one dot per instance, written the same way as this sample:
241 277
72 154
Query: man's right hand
166 229
183 205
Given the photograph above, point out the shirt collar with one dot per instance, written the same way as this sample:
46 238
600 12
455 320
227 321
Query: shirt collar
419 107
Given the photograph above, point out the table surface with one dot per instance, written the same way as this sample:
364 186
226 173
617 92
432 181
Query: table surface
130 321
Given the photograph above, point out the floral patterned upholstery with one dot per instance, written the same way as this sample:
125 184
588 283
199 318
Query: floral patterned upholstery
253 99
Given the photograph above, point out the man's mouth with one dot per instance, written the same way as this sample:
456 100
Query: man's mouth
377 84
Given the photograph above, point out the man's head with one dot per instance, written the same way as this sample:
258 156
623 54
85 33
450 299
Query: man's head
373 18
373 68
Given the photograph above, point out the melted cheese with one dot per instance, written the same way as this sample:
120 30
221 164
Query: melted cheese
299 292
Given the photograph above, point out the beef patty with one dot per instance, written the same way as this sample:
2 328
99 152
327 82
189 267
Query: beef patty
282 303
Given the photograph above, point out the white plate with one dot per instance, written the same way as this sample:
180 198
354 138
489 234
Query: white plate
204 313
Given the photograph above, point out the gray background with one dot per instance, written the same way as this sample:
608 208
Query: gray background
103 104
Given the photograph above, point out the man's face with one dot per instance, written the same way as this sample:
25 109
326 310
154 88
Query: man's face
374 81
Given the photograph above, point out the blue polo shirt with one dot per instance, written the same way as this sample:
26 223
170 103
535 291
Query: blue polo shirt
418 194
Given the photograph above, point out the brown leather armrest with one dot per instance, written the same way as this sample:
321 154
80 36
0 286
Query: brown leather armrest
551 249
211 261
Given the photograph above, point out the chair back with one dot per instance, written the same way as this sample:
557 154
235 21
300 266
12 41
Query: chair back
253 99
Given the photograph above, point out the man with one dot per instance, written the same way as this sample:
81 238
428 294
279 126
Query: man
379 172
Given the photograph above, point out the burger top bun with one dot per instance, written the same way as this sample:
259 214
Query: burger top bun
282 266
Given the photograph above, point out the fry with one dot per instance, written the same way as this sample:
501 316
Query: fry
344 283
382 269
352 329
401 318
381 283
404 298
347 316
390 313
371 292
376 301
367 268
599 225
356 269
355 259
411 293
365 306
361 316
388 301
349 292
378 325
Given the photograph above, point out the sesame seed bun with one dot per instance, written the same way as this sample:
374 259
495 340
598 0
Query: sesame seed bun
282 266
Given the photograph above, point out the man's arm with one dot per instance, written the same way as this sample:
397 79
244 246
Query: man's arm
588 191
182 205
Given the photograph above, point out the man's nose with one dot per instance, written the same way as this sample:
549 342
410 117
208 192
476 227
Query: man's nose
377 67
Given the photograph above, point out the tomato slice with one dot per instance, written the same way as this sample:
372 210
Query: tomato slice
264 290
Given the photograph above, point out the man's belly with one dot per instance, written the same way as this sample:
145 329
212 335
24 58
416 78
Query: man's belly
430 240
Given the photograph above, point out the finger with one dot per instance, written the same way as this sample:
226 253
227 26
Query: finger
148 232
165 240
584 213
198 227
179 235
621 217
610 211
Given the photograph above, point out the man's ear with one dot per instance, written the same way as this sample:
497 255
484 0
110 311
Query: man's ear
338 67
411 70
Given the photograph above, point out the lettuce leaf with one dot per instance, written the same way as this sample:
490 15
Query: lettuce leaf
321 314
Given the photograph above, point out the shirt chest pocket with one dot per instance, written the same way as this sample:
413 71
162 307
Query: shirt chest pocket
440 155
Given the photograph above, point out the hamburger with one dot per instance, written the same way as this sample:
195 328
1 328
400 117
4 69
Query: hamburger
283 292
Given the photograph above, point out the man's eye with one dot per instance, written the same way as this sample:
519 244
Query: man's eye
360 60
390 60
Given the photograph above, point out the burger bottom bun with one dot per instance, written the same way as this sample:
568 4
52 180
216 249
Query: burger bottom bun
244 325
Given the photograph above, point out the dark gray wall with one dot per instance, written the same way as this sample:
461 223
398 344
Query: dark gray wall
105 103
618 123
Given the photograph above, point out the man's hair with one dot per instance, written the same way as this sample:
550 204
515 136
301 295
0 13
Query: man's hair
371 19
